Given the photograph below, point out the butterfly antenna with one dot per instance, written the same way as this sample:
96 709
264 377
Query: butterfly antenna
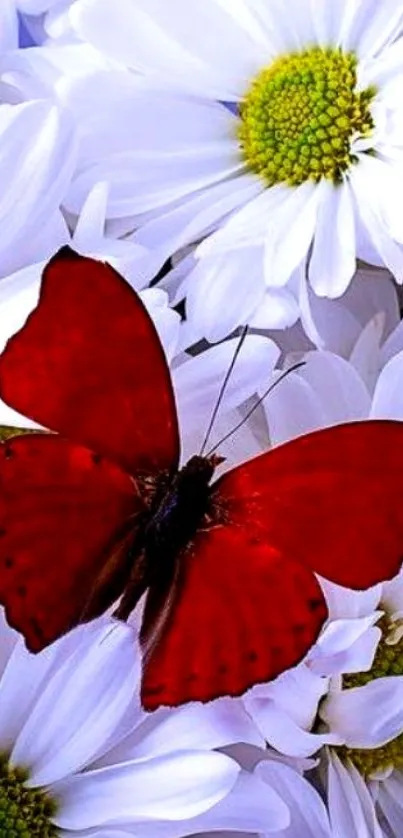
223 389
255 406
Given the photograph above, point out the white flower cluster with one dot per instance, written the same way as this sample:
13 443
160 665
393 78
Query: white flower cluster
239 162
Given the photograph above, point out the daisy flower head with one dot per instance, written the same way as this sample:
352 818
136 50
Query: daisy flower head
77 753
281 142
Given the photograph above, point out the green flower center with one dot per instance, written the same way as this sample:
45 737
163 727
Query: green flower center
300 116
388 661
24 812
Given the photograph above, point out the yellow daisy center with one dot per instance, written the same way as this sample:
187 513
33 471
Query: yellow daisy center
388 661
24 812
300 116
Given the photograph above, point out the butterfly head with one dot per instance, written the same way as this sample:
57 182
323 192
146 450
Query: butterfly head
202 468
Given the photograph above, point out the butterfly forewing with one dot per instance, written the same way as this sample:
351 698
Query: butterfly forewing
89 365
332 499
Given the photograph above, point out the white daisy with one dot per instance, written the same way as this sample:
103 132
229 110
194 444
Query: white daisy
307 156
78 753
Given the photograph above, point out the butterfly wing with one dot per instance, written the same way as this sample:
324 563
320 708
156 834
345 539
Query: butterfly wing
245 605
89 364
239 614
332 499
65 517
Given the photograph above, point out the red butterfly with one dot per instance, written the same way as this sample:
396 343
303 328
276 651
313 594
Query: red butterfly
102 510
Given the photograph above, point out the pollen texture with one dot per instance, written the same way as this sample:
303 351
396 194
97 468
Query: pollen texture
300 116
24 812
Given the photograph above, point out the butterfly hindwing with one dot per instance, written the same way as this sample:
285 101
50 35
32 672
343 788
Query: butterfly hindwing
238 613
65 515
89 364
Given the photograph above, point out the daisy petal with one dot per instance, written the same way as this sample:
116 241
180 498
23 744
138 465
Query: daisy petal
172 787
33 184
308 812
293 222
161 42
8 26
389 800
191 727
351 809
224 292
332 263
368 716
388 396
283 734
74 717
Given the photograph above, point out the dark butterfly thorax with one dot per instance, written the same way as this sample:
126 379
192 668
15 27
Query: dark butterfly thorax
178 506
178 510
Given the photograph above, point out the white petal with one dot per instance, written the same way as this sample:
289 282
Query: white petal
366 354
8 640
194 726
283 734
369 212
344 603
167 44
297 691
324 392
171 787
224 293
389 800
21 686
388 397
393 344
290 233
81 706
33 182
328 323
338 635
8 26
346 646
197 381
332 263
392 594
309 818
278 309
372 26
166 320
249 225
196 216
368 716
352 811
198 148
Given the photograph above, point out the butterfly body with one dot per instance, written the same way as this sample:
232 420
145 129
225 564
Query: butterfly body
177 516
98 511
179 506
